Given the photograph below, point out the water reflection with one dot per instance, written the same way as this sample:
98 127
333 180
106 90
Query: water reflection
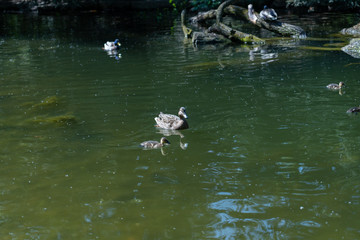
273 154
170 132
114 54
263 53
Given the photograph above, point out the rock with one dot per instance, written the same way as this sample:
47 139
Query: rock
353 48
354 30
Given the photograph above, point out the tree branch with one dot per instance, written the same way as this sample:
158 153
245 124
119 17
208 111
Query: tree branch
277 27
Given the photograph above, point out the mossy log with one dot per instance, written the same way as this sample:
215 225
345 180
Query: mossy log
219 32
207 38
229 32
234 35
283 29
200 37
187 31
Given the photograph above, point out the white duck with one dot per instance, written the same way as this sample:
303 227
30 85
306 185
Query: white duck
111 46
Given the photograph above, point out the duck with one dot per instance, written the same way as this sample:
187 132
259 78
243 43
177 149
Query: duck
111 46
268 14
155 144
169 121
334 86
252 16
353 110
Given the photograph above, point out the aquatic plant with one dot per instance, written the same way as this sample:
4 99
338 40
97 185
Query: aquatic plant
62 120
47 102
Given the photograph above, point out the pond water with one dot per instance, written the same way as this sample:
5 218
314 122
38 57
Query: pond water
270 152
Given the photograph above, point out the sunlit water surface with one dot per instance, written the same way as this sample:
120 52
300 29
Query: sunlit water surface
270 152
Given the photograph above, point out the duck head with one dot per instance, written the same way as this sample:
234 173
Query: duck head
117 42
182 113
164 141
341 84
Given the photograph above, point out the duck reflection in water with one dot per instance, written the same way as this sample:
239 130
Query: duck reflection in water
263 54
170 132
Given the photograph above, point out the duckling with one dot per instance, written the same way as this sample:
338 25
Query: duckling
111 46
169 121
155 144
353 110
268 14
334 86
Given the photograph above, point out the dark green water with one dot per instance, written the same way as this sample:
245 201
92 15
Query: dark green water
271 153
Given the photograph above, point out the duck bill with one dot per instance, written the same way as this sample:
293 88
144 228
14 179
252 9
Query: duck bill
184 114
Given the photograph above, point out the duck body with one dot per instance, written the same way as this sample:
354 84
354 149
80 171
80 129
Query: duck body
169 121
268 14
111 46
334 86
353 110
155 144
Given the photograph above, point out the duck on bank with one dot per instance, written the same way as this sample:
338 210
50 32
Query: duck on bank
268 14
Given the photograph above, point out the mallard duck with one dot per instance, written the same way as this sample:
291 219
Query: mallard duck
353 110
334 86
111 46
155 144
169 121
268 14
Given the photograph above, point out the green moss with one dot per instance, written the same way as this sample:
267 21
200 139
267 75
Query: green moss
252 39
47 102
62 120
339 44
320 48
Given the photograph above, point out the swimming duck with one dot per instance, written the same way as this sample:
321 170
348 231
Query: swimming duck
334 86
268 14
169 121
155 144
111 46
353 110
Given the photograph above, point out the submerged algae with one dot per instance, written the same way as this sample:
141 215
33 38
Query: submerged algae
62 120
47 102
50 105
